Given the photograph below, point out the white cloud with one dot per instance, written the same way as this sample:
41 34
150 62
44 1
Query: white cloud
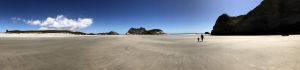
59 23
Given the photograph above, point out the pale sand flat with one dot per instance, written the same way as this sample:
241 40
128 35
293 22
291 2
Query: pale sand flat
150 53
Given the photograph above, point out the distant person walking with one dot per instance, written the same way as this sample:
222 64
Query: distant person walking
202 37
198 39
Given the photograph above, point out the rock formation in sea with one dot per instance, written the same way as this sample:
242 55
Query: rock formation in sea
270 17
137 31
109 33
143 31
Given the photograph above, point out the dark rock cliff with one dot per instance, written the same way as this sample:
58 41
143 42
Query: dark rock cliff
270 17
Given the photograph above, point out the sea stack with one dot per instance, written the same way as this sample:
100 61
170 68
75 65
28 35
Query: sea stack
270 17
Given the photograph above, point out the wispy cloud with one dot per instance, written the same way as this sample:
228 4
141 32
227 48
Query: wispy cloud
59 23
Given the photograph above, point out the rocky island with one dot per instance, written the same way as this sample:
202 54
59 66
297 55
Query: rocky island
143 31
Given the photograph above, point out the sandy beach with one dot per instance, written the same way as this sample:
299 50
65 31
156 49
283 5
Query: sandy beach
173 52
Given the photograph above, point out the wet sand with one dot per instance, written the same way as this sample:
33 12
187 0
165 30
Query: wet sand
150 53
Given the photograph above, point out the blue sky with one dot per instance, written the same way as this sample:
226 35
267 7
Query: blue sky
173 16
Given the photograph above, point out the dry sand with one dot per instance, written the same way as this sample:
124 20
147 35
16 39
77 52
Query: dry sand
150 53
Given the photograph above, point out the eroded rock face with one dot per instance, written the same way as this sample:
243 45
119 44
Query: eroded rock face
270 17
225 24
